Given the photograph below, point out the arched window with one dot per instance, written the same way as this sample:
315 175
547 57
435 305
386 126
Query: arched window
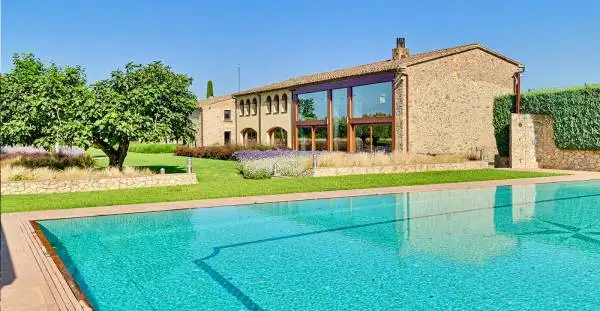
268 103
254 107
247 107
241 107
276 104
284 103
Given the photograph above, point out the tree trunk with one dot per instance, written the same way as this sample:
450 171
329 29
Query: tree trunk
116 157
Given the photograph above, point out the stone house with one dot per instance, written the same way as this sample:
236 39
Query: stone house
214 121
434 102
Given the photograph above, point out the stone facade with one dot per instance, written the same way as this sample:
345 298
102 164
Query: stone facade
532 146
451 102
340 171
82 185
450 99
210 122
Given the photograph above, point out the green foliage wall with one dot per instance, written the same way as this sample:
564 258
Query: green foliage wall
575 112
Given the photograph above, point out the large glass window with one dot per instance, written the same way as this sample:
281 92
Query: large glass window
321 138
373 137
304 138
312 106
339 102
373 100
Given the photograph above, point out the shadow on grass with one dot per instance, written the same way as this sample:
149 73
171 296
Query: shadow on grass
168 169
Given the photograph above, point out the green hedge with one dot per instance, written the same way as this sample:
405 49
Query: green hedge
152 148
575 112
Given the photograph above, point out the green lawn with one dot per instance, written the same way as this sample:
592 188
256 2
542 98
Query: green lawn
219 179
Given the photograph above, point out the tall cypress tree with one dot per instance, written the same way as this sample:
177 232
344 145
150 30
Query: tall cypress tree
209 89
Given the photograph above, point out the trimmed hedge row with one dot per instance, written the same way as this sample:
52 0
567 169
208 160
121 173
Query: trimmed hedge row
217 152
575 112
152 148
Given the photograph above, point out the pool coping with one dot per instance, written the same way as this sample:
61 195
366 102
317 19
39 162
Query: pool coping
48 285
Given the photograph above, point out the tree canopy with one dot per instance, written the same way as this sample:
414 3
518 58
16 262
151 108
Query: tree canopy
53 105
36 102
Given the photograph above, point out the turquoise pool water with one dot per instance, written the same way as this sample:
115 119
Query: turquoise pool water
533 247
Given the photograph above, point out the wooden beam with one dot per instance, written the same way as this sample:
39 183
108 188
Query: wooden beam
295 142
349 127
372 120
311 123
329 121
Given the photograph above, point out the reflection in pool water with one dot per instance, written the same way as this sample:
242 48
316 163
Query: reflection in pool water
522 247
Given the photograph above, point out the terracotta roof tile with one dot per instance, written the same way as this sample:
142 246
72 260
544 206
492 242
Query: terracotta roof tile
213 100
381 66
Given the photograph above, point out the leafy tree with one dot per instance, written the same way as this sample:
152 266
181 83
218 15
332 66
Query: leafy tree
306 108
209 89
36 102
380 131
143 103
47 105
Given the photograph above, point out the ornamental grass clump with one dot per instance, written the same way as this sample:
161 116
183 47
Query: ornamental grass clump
20 173
372 159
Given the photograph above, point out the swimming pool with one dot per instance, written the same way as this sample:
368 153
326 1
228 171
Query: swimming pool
505 248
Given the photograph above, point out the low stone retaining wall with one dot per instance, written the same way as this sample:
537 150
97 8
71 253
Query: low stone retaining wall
339 171
532 146
81 185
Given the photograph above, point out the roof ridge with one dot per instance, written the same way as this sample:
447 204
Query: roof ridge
369 68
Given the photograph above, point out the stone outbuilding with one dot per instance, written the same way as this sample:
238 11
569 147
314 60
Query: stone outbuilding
214 121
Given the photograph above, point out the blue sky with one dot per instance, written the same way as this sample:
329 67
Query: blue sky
558 41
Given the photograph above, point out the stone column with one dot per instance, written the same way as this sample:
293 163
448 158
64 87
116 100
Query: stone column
522 141
399 110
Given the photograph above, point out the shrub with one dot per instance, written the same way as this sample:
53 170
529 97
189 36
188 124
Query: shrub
288 166
56 161
575 113
225 152
152 148
249 155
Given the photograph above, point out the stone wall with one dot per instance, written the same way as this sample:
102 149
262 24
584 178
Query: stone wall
82 185
532 146
451 102
339 171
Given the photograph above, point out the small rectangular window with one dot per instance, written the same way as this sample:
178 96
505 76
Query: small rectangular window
227 137
227 115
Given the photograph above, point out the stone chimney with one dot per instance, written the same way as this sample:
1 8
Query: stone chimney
400 51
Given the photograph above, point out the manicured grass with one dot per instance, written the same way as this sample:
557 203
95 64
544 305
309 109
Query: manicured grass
219 179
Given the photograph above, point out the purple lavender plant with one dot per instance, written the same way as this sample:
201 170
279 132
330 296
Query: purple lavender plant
251 155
